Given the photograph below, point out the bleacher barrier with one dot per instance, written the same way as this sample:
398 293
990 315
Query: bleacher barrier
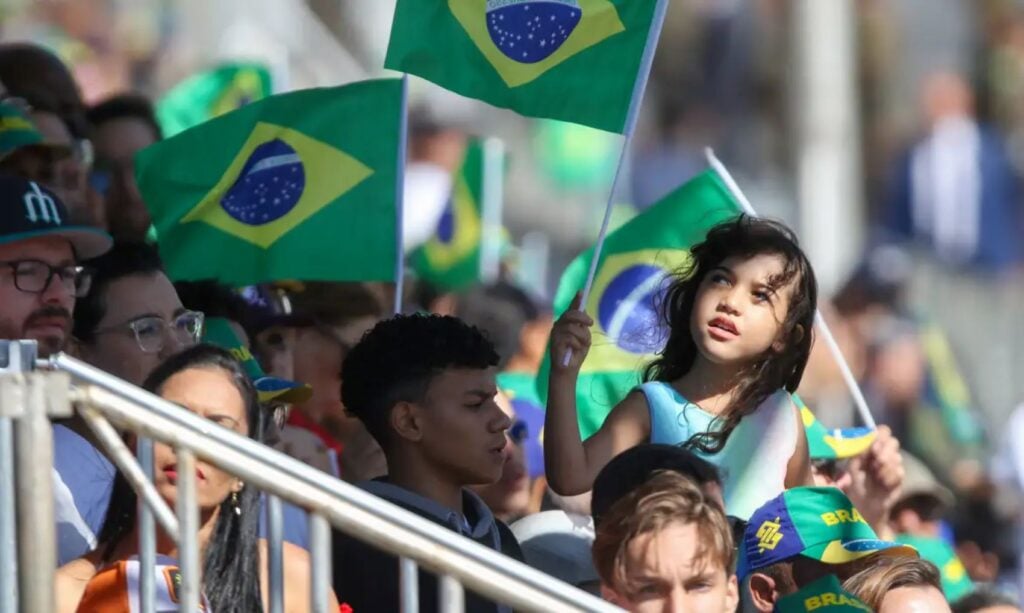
35 391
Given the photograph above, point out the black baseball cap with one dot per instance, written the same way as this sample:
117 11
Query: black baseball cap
29 210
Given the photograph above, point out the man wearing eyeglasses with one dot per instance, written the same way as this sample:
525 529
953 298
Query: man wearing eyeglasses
132 319
40 271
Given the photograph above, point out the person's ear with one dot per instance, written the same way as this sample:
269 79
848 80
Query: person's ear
406 421
763 592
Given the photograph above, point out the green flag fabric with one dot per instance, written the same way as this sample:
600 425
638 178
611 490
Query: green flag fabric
450 260
955 582
296 186
573 60
631 277
212 93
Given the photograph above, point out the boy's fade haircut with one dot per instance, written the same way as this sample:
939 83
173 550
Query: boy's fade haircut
396 360
665 499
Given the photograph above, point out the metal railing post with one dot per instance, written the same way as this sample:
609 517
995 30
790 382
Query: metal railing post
450 595
409 580
275 532
320 561
33 442
188 524
15 357
147 532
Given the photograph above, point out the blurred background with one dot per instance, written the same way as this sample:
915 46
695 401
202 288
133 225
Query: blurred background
889 133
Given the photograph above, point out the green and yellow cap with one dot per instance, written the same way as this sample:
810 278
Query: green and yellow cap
826 595
217 331
815 522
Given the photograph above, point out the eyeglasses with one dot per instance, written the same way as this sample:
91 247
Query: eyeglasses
151 332
518 432
34 277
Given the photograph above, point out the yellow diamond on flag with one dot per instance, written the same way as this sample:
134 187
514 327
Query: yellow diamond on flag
279 179
523 39
624 303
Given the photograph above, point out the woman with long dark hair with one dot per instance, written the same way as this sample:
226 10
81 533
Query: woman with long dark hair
208 381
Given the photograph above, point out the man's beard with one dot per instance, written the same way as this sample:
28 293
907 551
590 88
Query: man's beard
48 345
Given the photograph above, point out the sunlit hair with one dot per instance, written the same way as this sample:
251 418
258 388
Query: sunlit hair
887 574
744 237
665 499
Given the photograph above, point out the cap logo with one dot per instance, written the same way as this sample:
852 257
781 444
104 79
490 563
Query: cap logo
842 516
8 124
242 353
769 535
832 599
40 207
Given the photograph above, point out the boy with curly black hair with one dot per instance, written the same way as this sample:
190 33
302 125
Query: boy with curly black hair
424 386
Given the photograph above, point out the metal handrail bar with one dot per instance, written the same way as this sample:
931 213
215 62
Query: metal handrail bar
135 475
355 512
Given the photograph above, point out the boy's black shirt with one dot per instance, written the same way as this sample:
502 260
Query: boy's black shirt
366 578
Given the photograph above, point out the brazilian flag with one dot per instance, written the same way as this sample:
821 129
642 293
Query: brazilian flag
451 258
212 93
296 186
624 300
573 60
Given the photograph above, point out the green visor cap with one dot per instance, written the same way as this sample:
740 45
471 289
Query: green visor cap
217 331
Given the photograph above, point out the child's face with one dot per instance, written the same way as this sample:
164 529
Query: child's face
668 575
462 428
736 315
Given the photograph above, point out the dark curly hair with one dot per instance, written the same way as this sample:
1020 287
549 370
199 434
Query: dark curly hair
397 359
743 237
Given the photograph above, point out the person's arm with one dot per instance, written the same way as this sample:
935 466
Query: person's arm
798 469
296 580
570 463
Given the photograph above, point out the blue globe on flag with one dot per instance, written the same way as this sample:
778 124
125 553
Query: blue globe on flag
628 309
446 225
529 31
268 187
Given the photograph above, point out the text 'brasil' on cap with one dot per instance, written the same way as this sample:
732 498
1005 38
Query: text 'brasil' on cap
815 522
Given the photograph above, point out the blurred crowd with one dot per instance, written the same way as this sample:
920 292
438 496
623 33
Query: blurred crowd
938 489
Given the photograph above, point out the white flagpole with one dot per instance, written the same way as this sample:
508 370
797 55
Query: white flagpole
631 119
403 141
826 334
493 200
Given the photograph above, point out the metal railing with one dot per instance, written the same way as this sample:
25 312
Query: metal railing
29 398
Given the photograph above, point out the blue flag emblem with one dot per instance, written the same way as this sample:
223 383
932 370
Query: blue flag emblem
268 188
529 31
628 309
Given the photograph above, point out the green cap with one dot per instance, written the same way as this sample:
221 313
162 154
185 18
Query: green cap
835 444
826 595
815 522
218 331
955 582
17 131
